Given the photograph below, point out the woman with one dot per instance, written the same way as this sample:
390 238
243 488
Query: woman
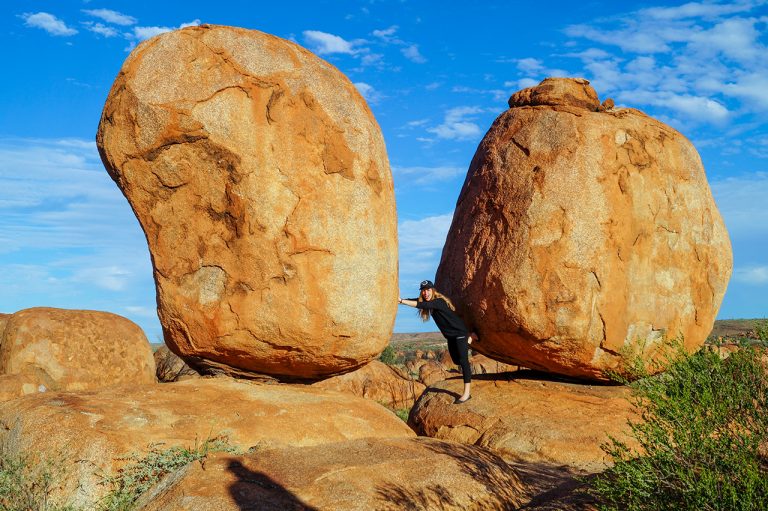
432 303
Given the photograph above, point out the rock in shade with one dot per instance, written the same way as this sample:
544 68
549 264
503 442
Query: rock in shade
385 474
377 381
75 349
94 432
583 238
261 180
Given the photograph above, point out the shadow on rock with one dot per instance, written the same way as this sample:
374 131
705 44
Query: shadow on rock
254 491
554 487
503 489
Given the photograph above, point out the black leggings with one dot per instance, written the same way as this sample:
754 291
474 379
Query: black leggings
458 347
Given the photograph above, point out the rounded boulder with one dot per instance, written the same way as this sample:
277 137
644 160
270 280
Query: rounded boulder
261 180
584 238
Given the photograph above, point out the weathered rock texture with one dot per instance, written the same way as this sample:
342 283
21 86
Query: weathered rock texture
377 381
261 180
75 349
526 419
98 428
360 475
169 367
582 237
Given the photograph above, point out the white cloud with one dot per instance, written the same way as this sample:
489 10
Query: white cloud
425 234
370 94
49 23
412 53
110 16
694 10
68 237
426 175
142 33
101 29
324 43
755 275
693 107
741 201
111 278
458 124
386 33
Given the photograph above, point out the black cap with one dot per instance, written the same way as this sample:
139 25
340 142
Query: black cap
426 284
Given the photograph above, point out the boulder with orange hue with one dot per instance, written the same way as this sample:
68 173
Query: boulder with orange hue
527 419
433 372
261 180
377 381
75 349
481 364
98 428
382 474
583 237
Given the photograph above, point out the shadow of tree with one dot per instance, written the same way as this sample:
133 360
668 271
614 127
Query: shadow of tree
554 487
254 491
503 490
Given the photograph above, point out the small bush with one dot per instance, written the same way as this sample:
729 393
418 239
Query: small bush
403 413
145 471
388 356
27 484
702 438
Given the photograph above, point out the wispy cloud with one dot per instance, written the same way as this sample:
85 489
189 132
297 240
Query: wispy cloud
412 53
421 243
408 49
426 175
101 29
141 33
68 238
370 94
48 22
324 43
754 275
690 60
458 124
110 16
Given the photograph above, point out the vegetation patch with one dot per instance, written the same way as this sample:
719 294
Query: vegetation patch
143 472
702 437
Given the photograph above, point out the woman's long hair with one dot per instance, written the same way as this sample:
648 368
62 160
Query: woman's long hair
426 313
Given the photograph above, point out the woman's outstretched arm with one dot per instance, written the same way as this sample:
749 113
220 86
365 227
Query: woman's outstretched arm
410 302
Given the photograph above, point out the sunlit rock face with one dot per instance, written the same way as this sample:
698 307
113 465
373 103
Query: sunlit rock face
261 180
583 236
44 348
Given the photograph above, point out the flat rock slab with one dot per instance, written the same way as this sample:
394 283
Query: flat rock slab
99 427
552 423
360 475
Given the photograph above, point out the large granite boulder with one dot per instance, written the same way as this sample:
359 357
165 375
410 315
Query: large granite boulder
583 237
380 382
75 349
94 431
360 475
545 423
261 180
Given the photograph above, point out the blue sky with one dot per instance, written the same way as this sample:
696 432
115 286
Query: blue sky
436 75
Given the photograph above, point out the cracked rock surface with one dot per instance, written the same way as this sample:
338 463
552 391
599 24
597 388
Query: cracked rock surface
261 180
583 236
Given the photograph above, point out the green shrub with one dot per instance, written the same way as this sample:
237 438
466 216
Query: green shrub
145 471
388 356
702 437
28 484
403 413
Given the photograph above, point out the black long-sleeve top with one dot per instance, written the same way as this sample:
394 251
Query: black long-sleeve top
449 323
